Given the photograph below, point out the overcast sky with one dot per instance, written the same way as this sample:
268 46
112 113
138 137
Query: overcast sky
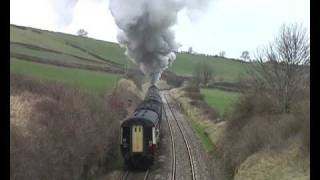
229 25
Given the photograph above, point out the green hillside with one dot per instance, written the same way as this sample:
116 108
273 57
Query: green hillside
92 82
43 39
48 56
93 65
222 101
224 69
64 43
64 47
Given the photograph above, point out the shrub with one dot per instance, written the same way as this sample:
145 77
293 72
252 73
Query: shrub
67 132
172 79
302 113
191 88
195 96
255 124
136 76
276 110
192 91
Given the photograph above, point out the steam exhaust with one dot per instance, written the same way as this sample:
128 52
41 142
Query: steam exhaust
144 30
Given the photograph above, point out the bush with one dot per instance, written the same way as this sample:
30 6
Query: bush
191 88
302 113
192 91
136 76
203 73
172 79
66 134
276 111
255 124
195 96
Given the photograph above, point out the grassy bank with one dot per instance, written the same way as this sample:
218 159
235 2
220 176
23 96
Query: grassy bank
224 69
222 101
93 82
201 124
203 135
261 143
252 143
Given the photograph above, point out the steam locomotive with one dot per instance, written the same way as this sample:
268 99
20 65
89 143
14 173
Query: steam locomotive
140 133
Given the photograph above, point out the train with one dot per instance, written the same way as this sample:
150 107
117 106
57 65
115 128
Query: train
140 133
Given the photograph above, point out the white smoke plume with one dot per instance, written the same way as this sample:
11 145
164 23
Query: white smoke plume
144 30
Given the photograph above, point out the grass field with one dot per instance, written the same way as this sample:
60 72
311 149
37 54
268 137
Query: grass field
93 82
44 40
98 82
222 101
45 55
59 42
224 69
107 50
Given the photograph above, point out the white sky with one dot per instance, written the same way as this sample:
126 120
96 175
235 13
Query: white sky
229 25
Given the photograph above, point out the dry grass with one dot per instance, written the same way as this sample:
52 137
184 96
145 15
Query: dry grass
21 107
58 132
128 95
206 126
286 165
256 125
302 113
163 85
201 119
197 100
137 77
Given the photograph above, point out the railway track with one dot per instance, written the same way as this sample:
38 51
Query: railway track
186 142
135 175
127 175
173 150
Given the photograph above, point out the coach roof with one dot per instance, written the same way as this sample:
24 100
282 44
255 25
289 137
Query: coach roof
144 117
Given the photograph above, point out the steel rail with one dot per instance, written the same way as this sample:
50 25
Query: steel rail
126 175
185 140
173 151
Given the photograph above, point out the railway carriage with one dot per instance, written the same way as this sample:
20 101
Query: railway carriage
140 133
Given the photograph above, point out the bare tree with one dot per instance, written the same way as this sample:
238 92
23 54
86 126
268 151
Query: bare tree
190 50
282 68
245 55
203 73
222 53
82 33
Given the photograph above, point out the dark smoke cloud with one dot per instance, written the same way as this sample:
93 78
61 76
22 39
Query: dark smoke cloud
145 31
